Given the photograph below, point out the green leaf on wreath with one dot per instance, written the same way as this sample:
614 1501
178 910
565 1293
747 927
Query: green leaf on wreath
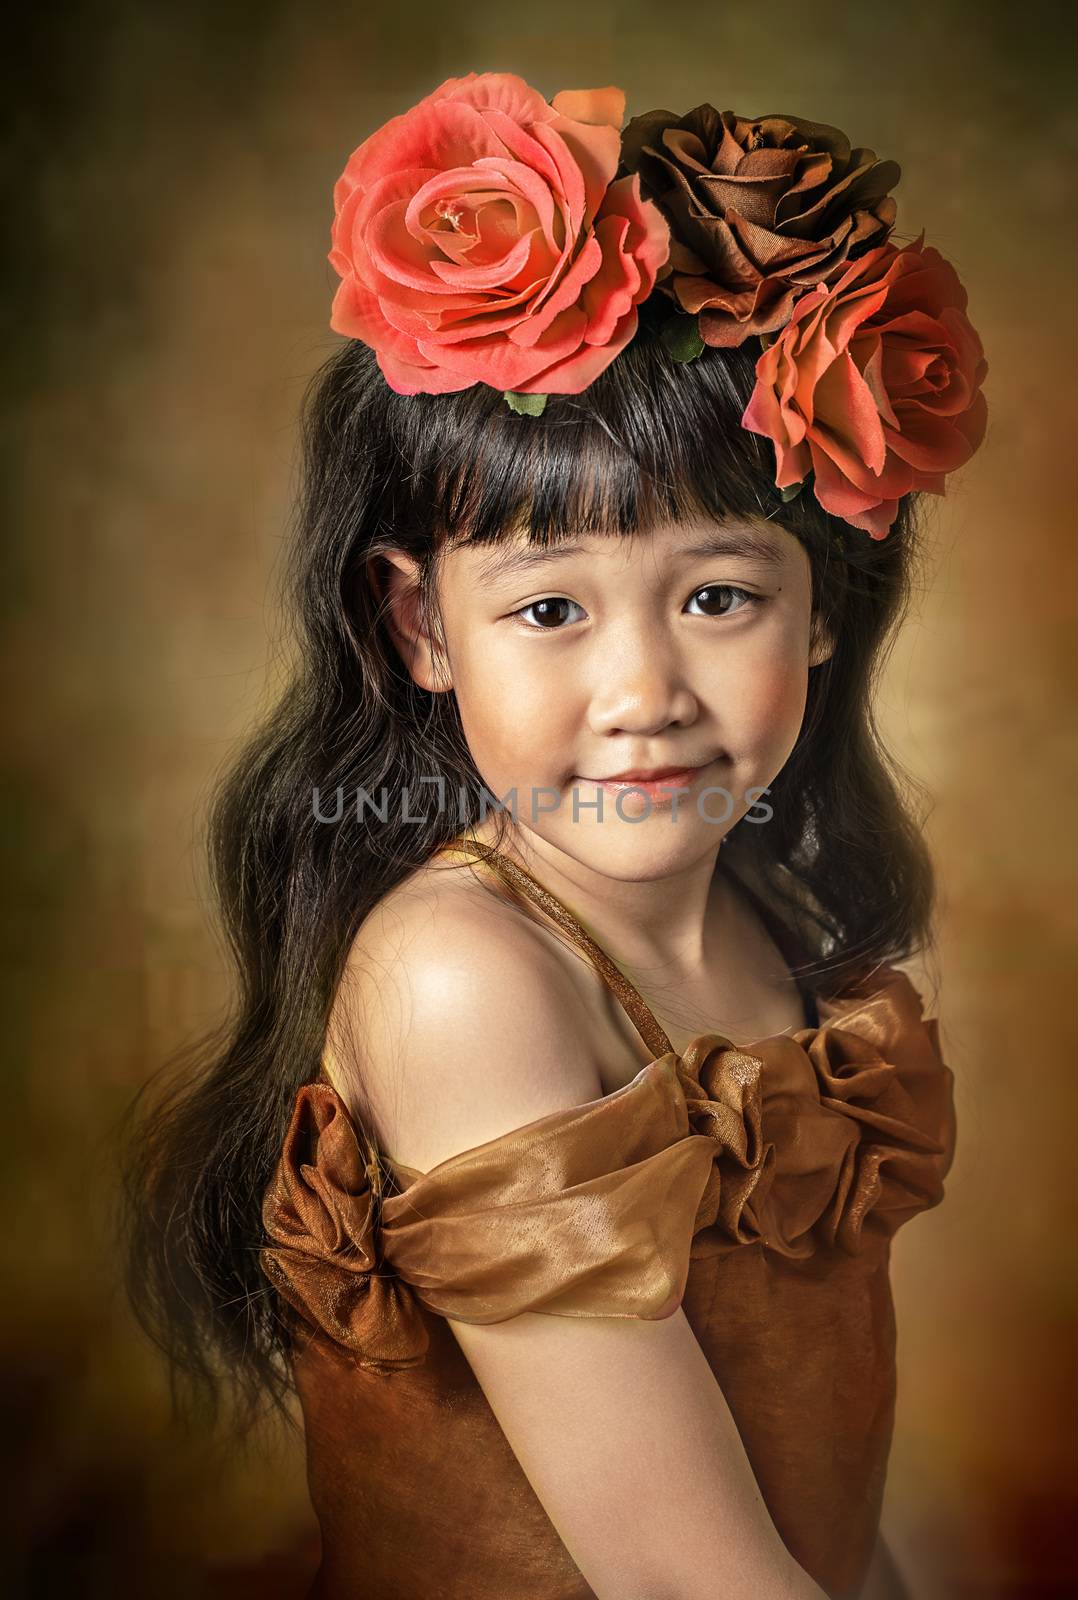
528 405
791 491
681 338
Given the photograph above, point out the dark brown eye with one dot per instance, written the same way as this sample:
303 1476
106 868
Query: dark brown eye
714 594
547 611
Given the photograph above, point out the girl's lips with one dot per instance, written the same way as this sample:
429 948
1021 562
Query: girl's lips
679 780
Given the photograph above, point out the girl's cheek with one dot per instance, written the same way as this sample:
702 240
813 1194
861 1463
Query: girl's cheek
513 717
771 701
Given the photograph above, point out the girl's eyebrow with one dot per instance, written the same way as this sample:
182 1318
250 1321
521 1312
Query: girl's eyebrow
744 544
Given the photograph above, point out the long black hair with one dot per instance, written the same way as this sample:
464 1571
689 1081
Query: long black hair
650 441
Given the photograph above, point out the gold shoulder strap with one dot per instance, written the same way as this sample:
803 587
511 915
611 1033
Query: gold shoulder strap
519 878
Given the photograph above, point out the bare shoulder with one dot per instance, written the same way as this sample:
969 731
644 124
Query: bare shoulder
455 1020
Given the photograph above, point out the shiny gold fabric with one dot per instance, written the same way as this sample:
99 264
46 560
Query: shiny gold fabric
759 1187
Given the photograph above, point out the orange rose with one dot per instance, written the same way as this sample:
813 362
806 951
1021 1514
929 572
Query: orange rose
874 386
481 238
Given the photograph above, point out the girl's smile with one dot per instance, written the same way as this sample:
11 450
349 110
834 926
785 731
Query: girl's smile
658 790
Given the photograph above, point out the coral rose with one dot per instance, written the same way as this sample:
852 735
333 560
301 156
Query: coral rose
482 237
874 386
760 209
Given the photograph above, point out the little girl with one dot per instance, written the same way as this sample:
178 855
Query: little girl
573 1094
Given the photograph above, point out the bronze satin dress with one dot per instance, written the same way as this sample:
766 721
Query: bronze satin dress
759 1187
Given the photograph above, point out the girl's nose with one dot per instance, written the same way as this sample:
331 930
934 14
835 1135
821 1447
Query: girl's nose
642 691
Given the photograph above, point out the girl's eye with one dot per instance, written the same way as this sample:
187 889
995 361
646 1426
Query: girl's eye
546 609
714 590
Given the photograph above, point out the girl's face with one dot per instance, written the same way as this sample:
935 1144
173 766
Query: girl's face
687 647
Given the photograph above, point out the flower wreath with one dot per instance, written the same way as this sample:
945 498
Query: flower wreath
488 236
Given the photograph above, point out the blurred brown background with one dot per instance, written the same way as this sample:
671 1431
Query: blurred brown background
167 296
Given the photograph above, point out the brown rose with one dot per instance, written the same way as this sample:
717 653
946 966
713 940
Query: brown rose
759 209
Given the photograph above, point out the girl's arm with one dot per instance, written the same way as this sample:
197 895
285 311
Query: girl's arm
627 1440
618 1422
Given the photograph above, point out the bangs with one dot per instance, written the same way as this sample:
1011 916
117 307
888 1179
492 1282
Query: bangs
652 441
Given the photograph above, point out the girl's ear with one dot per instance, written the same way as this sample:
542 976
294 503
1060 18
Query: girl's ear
394 577
821 642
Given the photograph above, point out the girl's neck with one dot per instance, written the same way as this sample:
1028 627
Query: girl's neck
672 928
738 983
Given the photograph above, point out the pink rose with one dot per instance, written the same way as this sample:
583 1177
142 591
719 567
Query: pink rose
874 385
480 239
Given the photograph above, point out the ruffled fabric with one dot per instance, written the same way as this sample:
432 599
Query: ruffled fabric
799 1143
826 1134
321 1212
585 1212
